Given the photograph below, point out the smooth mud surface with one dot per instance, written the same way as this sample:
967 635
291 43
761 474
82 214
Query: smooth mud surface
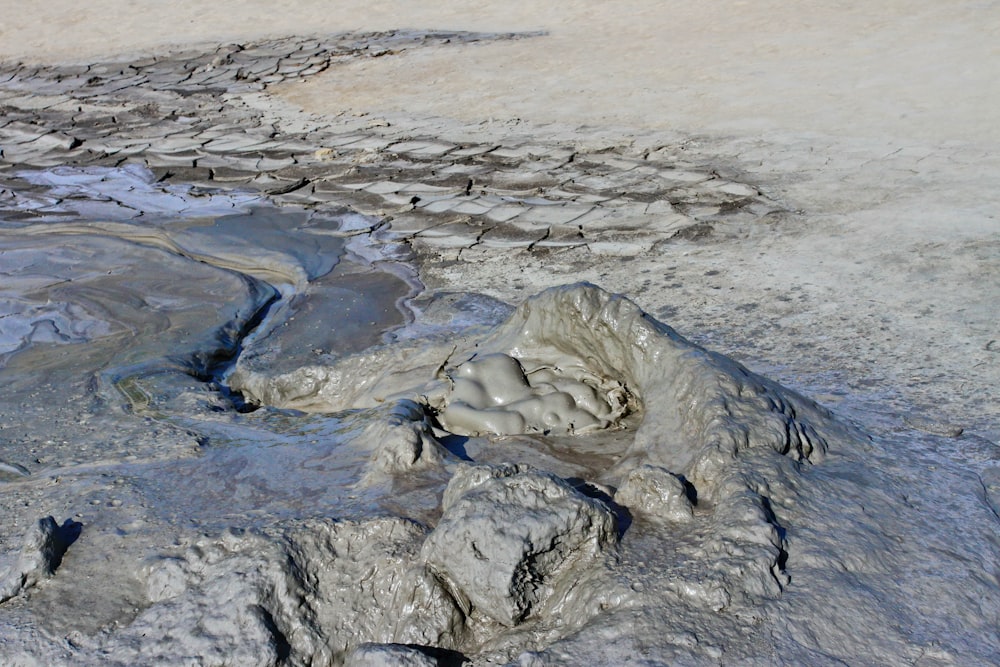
292 389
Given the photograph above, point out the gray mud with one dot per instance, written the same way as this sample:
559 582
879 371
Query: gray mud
368 520
245 424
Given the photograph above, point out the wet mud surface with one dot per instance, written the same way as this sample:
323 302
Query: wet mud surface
252 372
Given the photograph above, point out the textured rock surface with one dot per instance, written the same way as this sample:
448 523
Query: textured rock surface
507 535
657 494
404 440
41 552
307 592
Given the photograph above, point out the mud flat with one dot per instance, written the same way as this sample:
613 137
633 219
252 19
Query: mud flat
399 383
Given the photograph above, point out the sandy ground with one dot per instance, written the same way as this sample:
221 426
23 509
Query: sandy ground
873 128
905 73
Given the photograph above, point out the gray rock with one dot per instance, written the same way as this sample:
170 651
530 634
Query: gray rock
509 534
41 553
404 440
314 590
657 494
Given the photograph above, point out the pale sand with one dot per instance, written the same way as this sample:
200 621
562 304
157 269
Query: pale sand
922 73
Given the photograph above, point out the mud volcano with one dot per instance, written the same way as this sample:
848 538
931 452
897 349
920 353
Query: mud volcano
576 478
575 378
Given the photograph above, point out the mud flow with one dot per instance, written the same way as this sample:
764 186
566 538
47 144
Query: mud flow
488 469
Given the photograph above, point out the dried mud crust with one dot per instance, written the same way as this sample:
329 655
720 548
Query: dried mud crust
204 118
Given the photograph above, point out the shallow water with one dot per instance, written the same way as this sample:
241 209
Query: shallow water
145 252
148 292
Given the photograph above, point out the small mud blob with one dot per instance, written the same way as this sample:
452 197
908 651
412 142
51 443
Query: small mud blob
404 441
493 394
657 494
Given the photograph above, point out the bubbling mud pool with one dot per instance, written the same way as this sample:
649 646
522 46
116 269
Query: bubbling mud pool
291 455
